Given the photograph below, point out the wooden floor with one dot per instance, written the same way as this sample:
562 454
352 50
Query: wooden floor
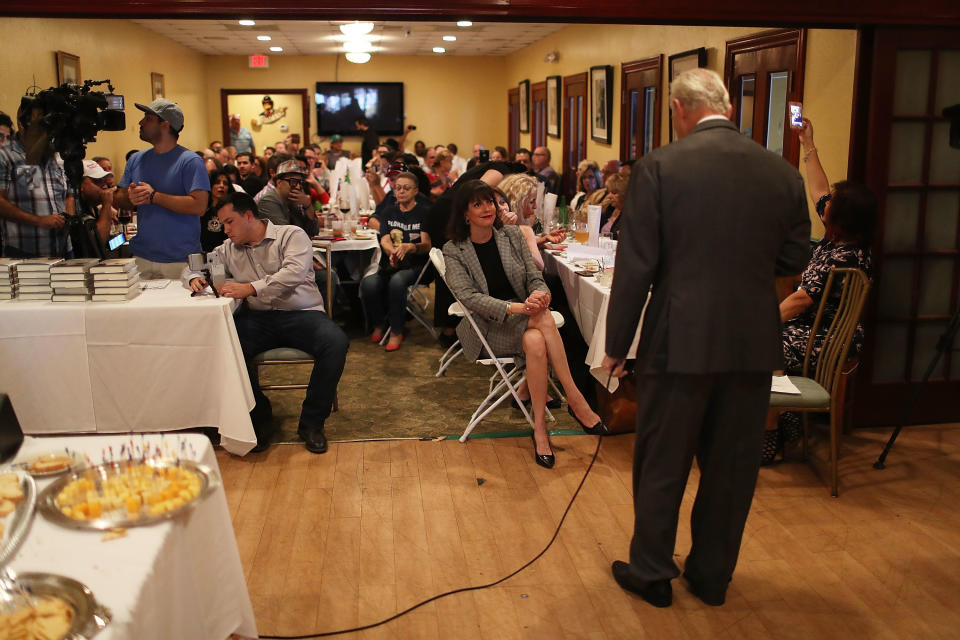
352 536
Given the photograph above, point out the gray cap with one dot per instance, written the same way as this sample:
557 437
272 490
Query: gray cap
165 110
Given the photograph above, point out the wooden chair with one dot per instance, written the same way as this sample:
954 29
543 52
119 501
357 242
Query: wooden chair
820 393
282 356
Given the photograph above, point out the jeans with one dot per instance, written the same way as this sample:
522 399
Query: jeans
310 331
390 290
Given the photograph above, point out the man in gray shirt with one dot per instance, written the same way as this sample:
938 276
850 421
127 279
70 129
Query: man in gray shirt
289 203
270 268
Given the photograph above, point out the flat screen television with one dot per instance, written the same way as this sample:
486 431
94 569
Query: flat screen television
340 103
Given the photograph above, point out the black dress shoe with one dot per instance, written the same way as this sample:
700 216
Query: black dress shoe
314 439
658 593
712 597
547 461
262 445
552 403
598 429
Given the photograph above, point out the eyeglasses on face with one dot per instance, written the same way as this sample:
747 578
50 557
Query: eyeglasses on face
293 182
403 187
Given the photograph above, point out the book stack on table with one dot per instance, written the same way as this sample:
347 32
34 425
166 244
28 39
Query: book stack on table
8 278
33 278
71 280
115 280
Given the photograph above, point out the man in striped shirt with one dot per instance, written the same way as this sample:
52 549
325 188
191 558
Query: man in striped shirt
34 194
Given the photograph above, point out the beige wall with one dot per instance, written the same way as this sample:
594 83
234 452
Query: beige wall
119 50
449 99
828 82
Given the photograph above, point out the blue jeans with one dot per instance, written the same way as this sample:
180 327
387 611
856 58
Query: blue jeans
310 331
387 290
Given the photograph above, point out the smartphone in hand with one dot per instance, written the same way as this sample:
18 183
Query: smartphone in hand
795 114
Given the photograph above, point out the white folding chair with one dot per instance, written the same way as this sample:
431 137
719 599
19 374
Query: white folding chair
455 309
506 381
416 305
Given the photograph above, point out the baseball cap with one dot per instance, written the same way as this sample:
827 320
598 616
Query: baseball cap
165 110
396 169
288 167
93 170
336 138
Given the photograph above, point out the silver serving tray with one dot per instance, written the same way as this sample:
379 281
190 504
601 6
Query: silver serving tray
47 503
18 524
89 616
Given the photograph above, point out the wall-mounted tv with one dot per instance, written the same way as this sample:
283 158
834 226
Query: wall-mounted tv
340 103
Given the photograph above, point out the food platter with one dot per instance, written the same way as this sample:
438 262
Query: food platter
16 526
89 616
51 464
163 489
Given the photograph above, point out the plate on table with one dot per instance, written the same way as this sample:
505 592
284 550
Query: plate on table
62 608
587 265
365 234
126 494
18 499
52 463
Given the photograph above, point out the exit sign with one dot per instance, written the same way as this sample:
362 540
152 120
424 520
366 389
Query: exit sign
259 62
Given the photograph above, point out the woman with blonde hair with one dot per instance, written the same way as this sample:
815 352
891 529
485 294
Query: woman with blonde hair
521 191
439 174
616 194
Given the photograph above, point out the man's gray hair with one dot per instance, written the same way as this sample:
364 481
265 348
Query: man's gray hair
701 88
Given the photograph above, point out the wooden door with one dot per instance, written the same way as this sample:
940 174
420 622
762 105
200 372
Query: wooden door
763 72
574 130
640 107
538 115
513 121
915 175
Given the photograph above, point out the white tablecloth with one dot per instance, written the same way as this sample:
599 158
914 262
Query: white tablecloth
588 302
354 244
178 579
160 362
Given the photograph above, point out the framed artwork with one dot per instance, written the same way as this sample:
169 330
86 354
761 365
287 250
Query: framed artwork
601 102
524 106
553 106
68 68
157 89
680 62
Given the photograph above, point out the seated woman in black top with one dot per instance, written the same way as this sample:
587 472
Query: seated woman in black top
404 248
490 270
212 234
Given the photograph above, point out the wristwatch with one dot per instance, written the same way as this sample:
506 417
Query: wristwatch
152 193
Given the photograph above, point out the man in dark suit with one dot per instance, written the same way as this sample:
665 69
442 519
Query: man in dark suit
709 221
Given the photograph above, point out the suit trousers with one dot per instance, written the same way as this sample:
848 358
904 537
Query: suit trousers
719 418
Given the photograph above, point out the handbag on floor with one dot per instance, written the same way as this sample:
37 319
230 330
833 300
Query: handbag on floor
618 410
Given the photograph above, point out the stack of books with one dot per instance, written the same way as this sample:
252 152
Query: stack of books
115 280
71 280
8 278
33 278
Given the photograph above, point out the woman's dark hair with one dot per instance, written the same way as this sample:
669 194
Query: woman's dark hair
851 214
467 194
423 182
215 175
232 173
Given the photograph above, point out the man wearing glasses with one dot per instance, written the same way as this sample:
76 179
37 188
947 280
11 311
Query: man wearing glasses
289 203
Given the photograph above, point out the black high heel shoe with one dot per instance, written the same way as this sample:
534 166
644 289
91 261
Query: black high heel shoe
547 461
598 429
552 403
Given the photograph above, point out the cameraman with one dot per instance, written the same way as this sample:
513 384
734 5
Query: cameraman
97 194
34 195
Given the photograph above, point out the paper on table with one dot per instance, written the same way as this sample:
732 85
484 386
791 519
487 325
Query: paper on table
593 224
782 384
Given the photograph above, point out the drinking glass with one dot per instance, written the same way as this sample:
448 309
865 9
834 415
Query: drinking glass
580 232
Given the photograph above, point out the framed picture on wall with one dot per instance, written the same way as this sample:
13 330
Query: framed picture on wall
680 62
553 106
601 102
524 106
156 86
68 68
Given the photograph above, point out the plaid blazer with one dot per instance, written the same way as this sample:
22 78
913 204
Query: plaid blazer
467 282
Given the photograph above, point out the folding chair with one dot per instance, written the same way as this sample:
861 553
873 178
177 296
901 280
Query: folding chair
506 381
286 355
820 393
416 305
455 309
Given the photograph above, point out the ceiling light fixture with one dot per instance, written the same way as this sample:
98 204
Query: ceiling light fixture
358 45
247 23
464 23
450 38
277 49
358 57
356 28
439 50
264 38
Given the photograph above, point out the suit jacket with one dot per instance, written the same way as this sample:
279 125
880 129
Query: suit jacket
708 223
467 282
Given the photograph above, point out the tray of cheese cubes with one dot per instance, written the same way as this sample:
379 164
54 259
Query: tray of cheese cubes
126 494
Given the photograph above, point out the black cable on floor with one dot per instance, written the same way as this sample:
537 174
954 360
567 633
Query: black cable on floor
463 589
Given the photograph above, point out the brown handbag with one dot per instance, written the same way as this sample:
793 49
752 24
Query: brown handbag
618 410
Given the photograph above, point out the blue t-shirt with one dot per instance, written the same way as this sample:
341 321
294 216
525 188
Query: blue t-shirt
242 140
164 235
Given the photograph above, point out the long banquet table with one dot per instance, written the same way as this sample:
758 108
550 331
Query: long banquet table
176 579
160 362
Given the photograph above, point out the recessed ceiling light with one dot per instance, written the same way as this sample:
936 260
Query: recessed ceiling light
439 50
278 49
264 38
464 23
450 38
356 28
247 23
358 57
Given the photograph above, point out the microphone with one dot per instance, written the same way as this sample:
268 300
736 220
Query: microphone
198 262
